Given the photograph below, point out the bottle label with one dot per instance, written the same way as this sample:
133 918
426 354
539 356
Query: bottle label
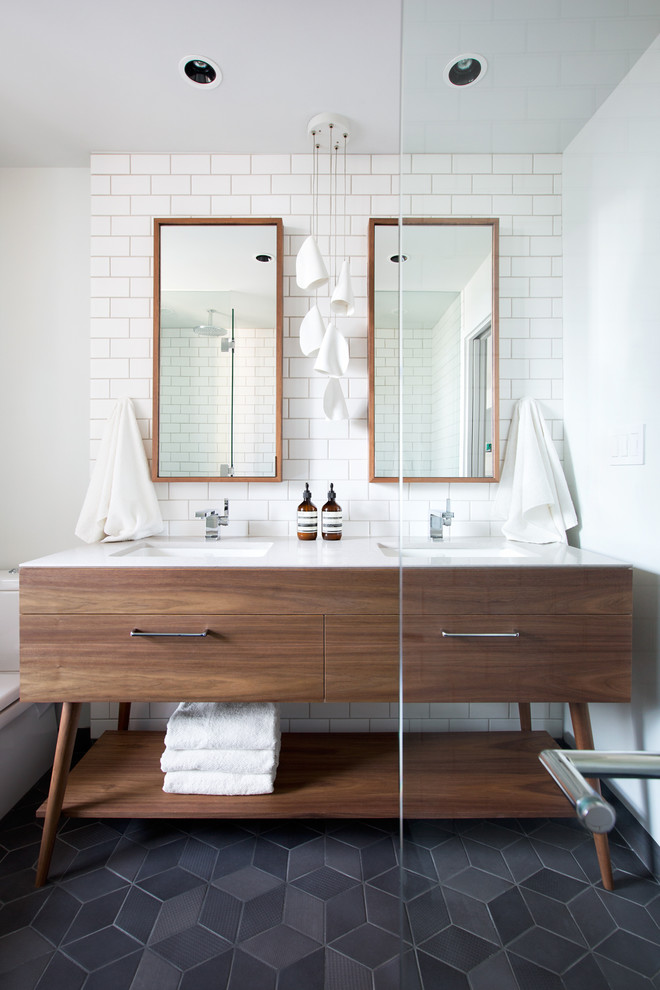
308 522
331 522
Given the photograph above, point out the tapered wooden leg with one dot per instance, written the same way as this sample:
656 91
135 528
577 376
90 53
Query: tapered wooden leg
63 752
525 713
124 715
585 740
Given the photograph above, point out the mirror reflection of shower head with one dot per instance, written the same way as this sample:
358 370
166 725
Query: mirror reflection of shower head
208 330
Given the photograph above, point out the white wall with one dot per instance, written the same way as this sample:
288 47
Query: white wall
44 358
128 190
612 369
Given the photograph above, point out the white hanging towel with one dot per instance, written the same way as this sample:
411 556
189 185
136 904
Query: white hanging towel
121 501
533 495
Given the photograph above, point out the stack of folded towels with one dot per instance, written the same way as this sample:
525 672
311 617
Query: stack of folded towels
222 748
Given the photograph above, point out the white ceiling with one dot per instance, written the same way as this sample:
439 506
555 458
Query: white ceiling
82 76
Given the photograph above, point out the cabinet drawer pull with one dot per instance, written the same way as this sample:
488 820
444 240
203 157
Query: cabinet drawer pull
471 635
175 635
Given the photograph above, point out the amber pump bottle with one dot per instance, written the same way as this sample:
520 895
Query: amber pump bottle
331 517
308 517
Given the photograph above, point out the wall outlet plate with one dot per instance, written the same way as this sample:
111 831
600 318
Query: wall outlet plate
626 445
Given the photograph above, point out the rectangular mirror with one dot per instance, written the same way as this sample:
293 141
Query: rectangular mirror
445 294
217 350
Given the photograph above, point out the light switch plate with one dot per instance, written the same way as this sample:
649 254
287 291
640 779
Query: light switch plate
626 445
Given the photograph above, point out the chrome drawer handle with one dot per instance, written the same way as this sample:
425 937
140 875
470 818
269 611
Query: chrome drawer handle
174 635
463 635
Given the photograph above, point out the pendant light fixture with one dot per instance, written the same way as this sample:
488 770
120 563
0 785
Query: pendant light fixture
329 134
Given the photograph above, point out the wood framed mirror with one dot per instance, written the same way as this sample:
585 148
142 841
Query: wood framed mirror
433 313
217 384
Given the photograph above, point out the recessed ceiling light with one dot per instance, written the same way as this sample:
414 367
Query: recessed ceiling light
200 71
399 258
465 70
263 257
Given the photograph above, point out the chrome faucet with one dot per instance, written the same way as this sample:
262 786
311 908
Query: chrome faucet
214 520
438 521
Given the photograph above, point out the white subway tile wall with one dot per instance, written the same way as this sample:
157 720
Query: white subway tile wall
524 191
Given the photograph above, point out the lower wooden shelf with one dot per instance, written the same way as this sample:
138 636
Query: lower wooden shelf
343 775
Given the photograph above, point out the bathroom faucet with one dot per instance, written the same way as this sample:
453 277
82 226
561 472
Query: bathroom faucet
438 521
214 520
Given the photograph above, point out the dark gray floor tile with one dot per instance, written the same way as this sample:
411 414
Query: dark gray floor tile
292 834
469 913
23 835
418 859
26 976
401 972
164 857
56 915
221 913
61 973
436 973
198 858
23 910
89 886
641 890
560 860
90 835
556 917
87 859
306 857
306 913
402 883
547 950
138 914
585 975
533 977
342 973
101 948
449 858
18 859
459 948
344 912
510 915
487 859
428 914
368 945
221 834
98 913
152 832
377 858
177 914
21 945
494 973
324 883
308 972
629 950
590 914
357 834
342 857
210 975
385 911
554 885
280 947
116 976
492 834
562 835
631 917
271 858
155 973
234 857
191 947
248 973
261 913
426 833
621 978
247 883
521 858
479 884
170 883
127 858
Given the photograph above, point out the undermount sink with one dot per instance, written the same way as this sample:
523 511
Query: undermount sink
434 550
204 551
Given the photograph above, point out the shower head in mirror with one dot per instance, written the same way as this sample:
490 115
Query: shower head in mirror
208 329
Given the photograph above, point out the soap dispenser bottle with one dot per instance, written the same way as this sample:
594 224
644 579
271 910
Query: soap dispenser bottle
331 517
308 517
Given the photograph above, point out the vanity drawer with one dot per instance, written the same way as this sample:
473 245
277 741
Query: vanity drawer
241 658
553 658
361 657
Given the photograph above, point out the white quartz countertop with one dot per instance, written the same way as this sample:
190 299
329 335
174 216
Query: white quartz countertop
271 552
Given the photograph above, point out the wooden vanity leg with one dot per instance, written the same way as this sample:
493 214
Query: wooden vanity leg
585 740
61 766
525 713
124 715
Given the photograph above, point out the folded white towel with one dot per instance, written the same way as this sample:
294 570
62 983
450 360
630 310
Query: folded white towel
224 725
121 501
533 494
224 760
214 782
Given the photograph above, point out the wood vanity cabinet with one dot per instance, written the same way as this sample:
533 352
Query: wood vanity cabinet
309 634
